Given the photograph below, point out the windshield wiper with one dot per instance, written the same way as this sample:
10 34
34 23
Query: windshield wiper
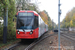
23 30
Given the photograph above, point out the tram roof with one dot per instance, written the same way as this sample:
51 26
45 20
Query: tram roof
35 13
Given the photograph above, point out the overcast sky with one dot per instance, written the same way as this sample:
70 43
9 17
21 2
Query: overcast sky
51 6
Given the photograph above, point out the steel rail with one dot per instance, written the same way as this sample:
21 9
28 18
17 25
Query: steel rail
10 48
37 41
29 46
69 37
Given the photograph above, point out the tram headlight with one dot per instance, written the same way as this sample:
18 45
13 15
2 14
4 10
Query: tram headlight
31 32
18 32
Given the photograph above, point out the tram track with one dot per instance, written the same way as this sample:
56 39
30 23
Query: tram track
19 44
30 45
68 39
69 36
10 47
36 42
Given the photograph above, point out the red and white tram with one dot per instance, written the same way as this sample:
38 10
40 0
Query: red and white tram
29 25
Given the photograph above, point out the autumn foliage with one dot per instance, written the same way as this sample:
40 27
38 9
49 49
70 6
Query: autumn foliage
44 15
69 20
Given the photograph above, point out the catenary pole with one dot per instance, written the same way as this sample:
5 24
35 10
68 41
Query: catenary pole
59 13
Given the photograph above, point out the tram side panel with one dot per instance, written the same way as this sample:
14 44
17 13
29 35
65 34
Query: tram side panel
46 28
41 26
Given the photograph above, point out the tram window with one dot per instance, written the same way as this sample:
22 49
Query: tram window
35 22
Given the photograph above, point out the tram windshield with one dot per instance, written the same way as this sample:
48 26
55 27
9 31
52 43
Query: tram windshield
25 21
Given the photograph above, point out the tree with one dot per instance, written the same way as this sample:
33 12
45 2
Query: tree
71 23
69 20
11 13
25 5
44 15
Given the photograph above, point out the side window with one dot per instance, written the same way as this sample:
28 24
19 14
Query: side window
36 22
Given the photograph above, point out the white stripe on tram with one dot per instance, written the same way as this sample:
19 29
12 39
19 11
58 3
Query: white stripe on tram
24 30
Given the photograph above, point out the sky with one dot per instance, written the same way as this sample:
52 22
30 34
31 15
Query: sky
51 6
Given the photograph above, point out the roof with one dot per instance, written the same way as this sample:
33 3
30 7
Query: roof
35 13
